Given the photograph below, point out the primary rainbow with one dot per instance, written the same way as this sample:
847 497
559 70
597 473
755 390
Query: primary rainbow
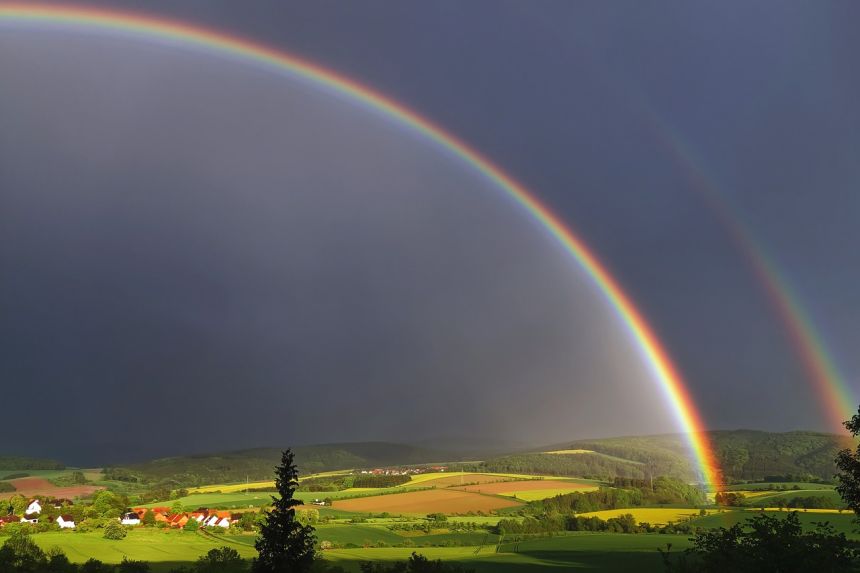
150 27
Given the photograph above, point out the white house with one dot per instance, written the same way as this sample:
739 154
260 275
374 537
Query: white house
66 522
130 518
210 521
34 507
223 522
31 518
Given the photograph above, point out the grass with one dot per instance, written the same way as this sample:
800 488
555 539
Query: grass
598 551
164 549
843 523
770 497
772 485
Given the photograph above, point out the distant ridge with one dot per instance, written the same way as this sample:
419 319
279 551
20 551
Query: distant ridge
258 463
742 454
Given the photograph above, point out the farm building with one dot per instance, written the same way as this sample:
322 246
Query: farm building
177 520
66 522
34 507
30 518
130 518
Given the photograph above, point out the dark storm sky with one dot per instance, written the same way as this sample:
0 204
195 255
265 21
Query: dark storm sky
391 294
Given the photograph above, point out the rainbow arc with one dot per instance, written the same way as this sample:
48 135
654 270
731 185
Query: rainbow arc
141 26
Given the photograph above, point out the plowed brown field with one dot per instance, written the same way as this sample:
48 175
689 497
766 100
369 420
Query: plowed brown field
36 486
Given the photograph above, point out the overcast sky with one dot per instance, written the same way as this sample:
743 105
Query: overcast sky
197 254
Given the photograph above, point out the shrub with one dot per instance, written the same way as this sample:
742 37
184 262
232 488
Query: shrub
114 530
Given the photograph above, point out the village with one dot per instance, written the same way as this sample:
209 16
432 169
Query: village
34 514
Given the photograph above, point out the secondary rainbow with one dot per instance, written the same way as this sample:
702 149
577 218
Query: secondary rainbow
830 385
154 28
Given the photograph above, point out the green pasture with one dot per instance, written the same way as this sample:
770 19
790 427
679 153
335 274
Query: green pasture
597 551
842 522
769 499
776 486
163 549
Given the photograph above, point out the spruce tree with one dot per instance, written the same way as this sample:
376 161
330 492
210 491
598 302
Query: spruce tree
284 544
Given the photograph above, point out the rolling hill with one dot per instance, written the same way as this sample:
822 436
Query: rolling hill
258 463
742 454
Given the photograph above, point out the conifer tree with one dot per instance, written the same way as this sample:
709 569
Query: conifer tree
284 544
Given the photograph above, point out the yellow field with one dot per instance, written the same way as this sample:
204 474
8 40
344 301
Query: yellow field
754 493
429 477
231 487
236 487
537 494
569 452
652 515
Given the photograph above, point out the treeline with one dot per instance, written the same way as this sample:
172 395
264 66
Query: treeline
370 480
591 466
665 491
24 463
550 524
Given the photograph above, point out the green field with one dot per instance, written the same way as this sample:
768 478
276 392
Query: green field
775 486
164 549
842 522
597 551
769 499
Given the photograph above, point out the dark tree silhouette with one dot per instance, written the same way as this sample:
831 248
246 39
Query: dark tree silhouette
766 544
848 463
284 544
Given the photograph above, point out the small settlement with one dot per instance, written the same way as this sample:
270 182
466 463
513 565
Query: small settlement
203 516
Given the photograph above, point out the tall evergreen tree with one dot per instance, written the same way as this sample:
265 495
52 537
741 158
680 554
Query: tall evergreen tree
284 544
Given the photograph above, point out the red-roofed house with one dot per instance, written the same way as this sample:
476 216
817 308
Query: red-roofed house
177 520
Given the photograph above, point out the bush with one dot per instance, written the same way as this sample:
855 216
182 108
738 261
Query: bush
95 566
114 530
221 560
766 544
130 566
